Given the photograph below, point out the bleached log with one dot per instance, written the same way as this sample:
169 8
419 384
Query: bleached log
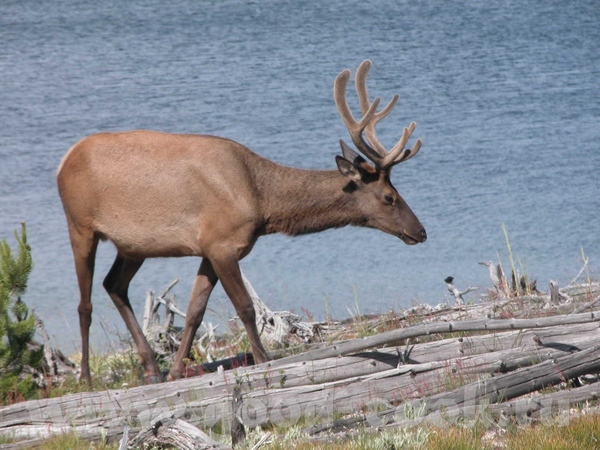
276 326
238 432
393 336
284 390
458 295
471 400
284 393
338 384
445 412
551 407
498 278
583 269
589 305
175 433
56 364
556 296
524 381
124 439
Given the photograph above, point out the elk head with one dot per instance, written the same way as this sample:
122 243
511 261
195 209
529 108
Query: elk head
384 208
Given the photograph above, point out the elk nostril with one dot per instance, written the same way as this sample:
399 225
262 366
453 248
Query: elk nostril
424 234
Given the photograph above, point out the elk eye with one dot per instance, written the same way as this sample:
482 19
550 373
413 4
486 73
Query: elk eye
388 199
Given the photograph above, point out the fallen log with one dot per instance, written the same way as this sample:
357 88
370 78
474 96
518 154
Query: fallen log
274 392
475 400
238 432
394 336
544 407
587 305
552 408
264 405
175 433
520 382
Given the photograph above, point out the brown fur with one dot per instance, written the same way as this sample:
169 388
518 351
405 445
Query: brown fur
163 195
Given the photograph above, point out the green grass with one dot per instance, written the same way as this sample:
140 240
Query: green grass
121 368
582 433
111 371
73 442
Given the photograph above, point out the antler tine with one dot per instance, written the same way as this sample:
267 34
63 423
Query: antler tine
355 128
398 153
363 99
407 154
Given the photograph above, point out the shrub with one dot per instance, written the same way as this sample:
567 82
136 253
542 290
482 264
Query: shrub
17 325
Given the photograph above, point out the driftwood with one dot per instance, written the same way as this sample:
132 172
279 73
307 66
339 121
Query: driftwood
522 381
498 278
164 338
56 366
589 305
468 401
319 385
176 433
277 326
548 407
238 432
473 401
393 336
458 295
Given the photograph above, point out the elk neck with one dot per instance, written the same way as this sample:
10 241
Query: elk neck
298 201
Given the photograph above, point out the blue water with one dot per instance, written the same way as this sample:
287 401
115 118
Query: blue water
506 96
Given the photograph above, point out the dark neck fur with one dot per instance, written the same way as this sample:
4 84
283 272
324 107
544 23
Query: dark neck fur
305 201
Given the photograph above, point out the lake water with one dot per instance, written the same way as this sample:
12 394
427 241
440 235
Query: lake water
506 95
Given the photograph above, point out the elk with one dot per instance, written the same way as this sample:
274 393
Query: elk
156 194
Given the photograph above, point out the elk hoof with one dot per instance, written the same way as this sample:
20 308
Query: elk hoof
174 375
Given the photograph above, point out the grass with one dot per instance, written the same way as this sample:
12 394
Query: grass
582 433
72 442
115 370
121 368
458 438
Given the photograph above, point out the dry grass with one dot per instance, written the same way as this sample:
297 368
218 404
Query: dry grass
582 433
122 367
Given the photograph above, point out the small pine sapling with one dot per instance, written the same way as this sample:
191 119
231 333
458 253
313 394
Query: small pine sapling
17 324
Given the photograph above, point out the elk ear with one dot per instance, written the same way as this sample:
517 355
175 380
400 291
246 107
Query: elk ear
348 153
347 169
357 160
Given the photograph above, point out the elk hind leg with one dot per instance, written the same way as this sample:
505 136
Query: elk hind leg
84 245
116 284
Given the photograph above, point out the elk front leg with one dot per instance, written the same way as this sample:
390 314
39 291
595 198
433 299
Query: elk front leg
205 281
228 271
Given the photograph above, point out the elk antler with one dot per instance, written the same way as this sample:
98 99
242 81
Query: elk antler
373 149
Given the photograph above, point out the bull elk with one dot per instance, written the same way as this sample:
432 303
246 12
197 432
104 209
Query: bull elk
161 195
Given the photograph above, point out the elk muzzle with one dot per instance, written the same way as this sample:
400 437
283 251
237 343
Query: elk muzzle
411 237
